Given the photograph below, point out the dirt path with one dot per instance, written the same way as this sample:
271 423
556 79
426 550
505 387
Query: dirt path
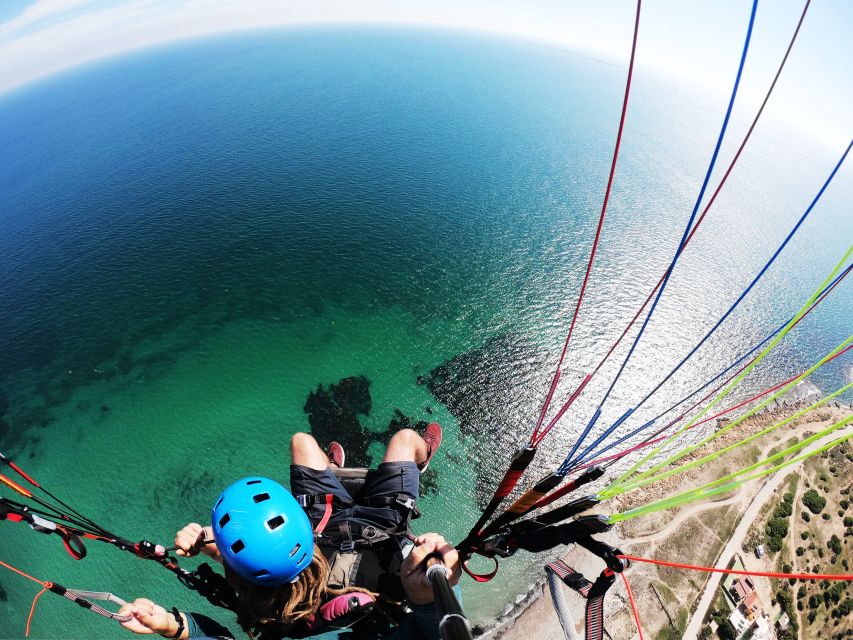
681 518
734 544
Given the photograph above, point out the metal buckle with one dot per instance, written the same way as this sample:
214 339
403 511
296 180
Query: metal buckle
406 502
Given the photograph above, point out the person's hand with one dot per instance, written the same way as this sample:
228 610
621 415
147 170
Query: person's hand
413 570
148 618
190 540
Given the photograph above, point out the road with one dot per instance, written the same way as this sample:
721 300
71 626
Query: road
734 544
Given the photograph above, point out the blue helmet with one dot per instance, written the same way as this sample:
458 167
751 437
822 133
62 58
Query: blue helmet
262 532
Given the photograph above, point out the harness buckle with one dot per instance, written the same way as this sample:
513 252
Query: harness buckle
406 502
347 546
499 545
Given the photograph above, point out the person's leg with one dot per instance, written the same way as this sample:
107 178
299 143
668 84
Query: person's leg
305 452
406 446
311 478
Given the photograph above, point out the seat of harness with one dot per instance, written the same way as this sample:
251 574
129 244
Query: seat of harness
353 480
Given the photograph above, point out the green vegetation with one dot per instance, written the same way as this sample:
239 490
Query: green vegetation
783 597
834 544
726 630
813 501
776 529
668 633
844 609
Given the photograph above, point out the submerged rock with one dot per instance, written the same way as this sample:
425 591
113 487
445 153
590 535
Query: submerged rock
333 415
353 394
402 421
492 391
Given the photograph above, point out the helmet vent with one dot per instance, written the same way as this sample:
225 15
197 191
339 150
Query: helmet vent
263 573
224 520
295 550
219 502
275 523
302 559
261 497
238 546
253 482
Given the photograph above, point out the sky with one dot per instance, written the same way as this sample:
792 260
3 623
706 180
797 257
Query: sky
694 42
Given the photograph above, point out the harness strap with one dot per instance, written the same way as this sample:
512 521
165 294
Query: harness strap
307 500
595 605
570 577
326 514
592 592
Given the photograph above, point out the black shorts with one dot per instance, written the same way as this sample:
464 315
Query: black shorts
389 480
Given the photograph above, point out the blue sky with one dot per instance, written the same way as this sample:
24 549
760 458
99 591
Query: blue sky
695 42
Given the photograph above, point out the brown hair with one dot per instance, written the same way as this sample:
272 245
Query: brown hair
276 610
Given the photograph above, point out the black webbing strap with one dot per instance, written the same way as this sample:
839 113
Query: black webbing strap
571 578
307 500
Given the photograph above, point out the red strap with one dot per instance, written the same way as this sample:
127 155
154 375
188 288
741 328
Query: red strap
72 543
14 517
326 514
481 577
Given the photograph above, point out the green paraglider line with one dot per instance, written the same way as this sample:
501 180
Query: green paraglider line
717 486
717 454
621 480
648 476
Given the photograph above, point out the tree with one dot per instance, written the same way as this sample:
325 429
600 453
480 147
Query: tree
777 528
727 631
813 501
783 510
834 544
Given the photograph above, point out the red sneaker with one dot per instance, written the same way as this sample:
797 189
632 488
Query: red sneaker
336 454
432 436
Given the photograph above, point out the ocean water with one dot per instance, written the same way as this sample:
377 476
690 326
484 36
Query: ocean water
193 238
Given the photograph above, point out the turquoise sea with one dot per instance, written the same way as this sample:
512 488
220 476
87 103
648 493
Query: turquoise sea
193 238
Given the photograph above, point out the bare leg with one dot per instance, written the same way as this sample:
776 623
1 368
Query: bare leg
305 451
406 446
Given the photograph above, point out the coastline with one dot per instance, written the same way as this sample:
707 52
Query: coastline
667 536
